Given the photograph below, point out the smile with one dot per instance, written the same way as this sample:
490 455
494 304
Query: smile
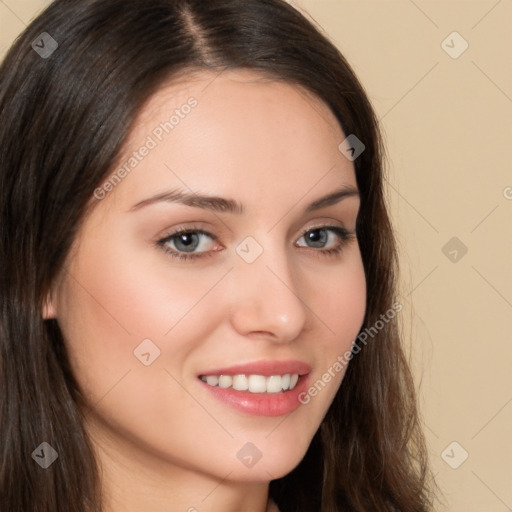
253 383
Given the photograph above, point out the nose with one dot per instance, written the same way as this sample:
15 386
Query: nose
266 299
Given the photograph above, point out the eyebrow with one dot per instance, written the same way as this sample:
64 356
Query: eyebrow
224 205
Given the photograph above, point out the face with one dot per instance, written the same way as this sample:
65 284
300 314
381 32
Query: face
173 303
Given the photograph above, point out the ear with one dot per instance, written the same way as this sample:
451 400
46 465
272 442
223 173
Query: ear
49 309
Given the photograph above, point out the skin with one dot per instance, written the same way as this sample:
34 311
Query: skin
163 442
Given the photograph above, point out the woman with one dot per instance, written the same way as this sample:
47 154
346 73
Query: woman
198 269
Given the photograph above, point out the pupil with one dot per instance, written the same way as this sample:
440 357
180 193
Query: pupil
186 239
187 242
317 236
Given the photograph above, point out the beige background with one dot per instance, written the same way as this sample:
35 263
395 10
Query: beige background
448 125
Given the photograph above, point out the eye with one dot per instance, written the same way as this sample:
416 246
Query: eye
319 237
188 243
192 243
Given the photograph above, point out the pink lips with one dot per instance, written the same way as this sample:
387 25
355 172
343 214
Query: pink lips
266 368
261 404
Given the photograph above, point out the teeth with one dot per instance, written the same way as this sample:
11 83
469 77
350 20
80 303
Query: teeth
274 384
240 383
253 383
213 380
225 381
257 384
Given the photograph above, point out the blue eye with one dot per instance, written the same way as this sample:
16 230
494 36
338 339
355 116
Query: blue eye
321 236
186 244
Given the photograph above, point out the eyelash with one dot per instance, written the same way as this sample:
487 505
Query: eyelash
344 235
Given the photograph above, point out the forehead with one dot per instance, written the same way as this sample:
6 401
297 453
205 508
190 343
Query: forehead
235 132
242 103
232 87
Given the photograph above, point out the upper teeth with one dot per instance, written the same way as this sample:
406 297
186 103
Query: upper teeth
253 383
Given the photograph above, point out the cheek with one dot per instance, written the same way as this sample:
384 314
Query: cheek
109 304
342 304
116 296
105 310
132 296
340 307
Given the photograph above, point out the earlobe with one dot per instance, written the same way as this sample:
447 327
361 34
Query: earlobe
49 309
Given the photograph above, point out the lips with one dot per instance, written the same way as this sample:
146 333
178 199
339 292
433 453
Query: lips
265 368
265 388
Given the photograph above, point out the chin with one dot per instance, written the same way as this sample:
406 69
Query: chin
275 464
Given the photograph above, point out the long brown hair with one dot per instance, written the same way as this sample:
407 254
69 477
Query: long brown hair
64 118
